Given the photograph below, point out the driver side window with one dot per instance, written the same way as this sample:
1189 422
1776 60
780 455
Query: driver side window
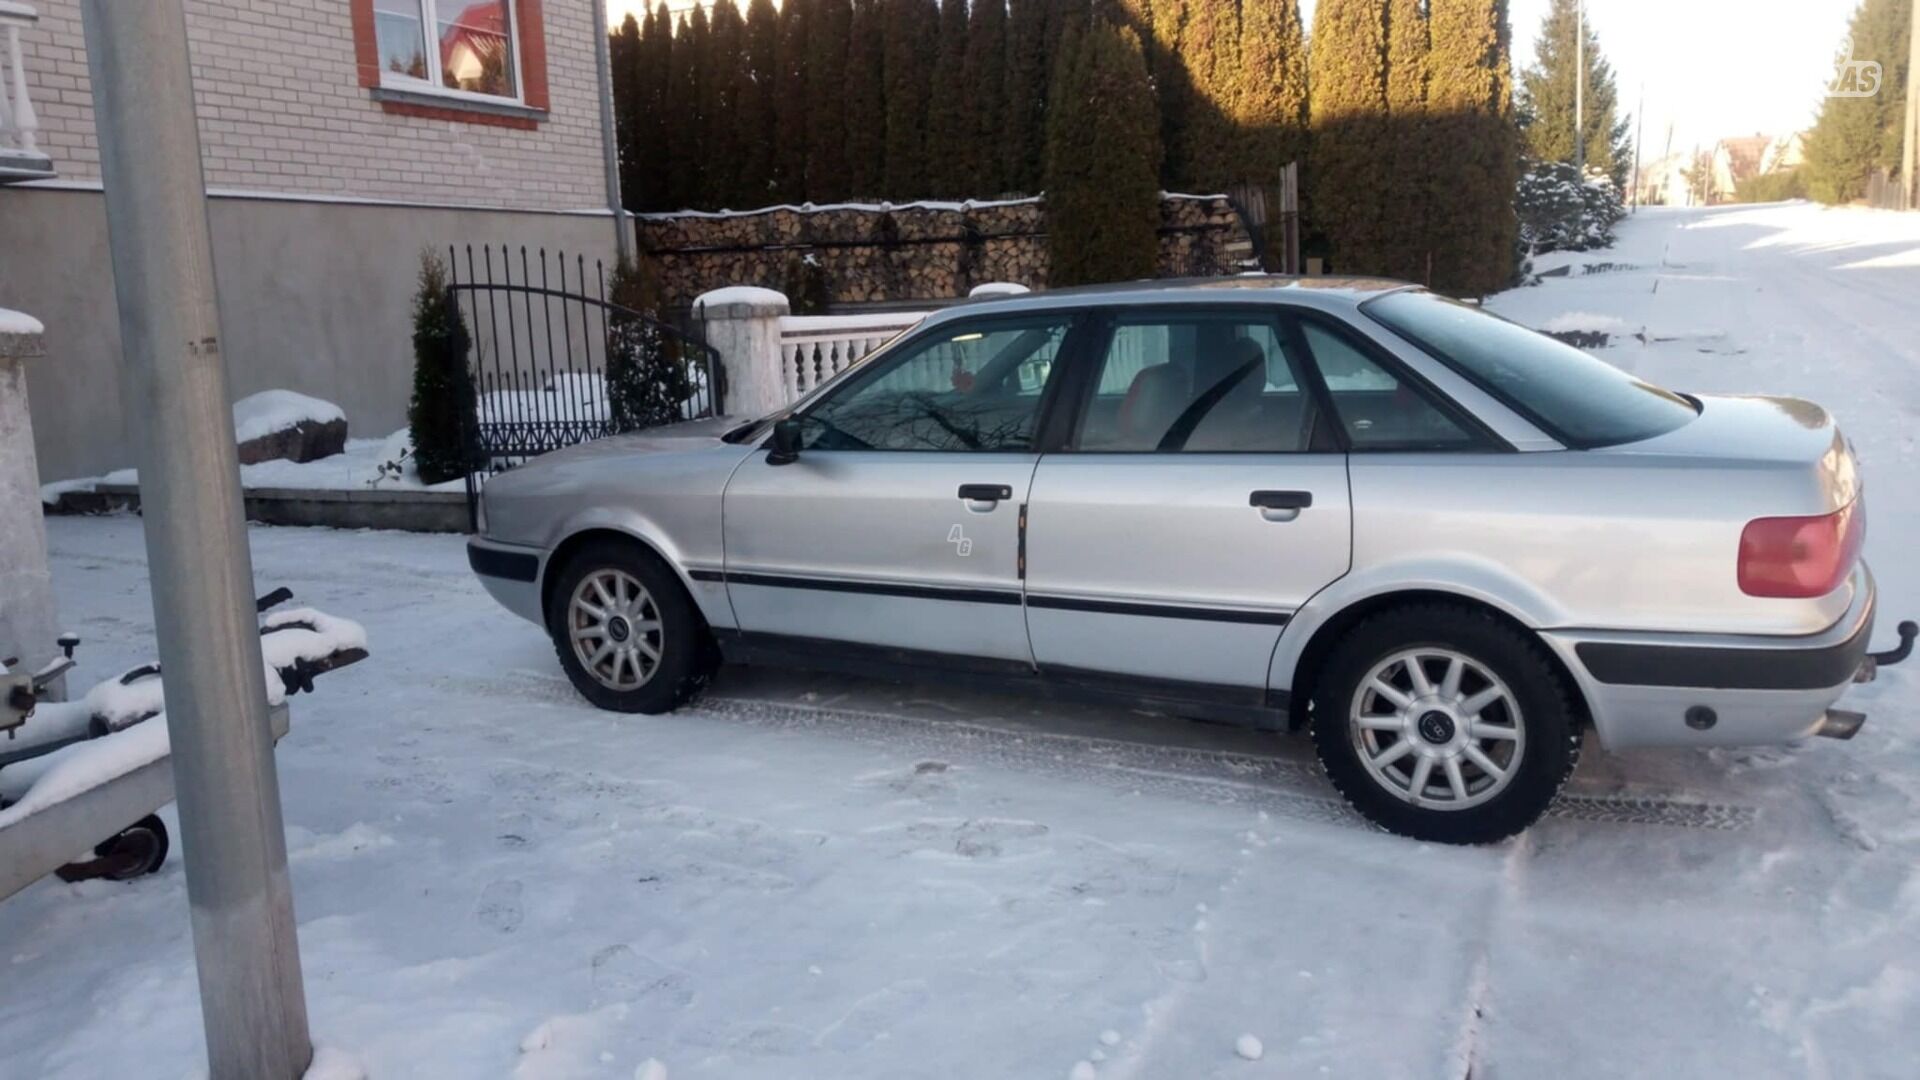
965 388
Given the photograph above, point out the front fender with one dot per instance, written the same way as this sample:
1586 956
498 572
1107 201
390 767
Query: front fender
1465 577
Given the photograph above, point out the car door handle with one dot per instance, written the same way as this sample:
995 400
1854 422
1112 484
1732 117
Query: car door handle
1280 505
985 492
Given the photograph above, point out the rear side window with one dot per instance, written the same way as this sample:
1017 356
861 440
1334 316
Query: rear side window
1377 410
1576 398
1197 382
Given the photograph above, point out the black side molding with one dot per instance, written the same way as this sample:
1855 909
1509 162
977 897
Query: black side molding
1726 669
508 565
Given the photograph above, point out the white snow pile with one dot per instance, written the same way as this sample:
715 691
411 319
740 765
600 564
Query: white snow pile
998 288
277 410
19 322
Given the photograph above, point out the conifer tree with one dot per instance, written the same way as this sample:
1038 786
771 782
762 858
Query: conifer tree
828 28
1210 51
1470 110
790 103
1023 136
1546 105
1404 213
1350 179
655 76
985 78
719 107
1856 135
1270 90
623 64
681 106
1103 158
908 67
949 118
753 182
866 105
441 412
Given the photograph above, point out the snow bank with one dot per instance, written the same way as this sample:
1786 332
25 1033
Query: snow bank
998 288
277 410
738 294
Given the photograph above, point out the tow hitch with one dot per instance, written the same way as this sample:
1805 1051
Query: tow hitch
1874 661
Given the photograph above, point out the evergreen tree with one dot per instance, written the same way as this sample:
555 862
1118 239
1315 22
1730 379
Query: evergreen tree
1470 108
908 67
1270 90
681 106
1856 135
1103 159
719 106
1351 155
949 118
647 375
623 62
655 63
1547 92
1161 25
1210 51
790 103
828 29
866 104
985 78
1404 214
753 178
1023 135
441 412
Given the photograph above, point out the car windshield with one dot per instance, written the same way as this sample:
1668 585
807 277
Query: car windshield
1578 399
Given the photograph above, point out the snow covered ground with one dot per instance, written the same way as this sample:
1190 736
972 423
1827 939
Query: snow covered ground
814 876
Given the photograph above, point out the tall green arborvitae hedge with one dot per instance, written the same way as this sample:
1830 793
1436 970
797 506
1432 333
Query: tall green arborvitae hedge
1470 111
984 74
1350 173
1103 159
908 67
753 117
1856 135
1405 252
866 104
441 411
826 68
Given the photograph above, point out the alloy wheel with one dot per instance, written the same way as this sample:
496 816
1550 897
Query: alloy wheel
615 629
1437 729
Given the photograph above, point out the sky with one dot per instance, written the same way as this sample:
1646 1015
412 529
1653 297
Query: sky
1711 68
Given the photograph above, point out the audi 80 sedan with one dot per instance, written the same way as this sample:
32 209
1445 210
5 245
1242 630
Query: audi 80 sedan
1448 547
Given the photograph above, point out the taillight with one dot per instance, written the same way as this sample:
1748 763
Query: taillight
1801 556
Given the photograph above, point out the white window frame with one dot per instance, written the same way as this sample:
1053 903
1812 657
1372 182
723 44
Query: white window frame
429 31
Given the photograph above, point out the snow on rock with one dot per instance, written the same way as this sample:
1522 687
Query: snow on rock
277 410
19 322
1249 1047
333 1063
998 288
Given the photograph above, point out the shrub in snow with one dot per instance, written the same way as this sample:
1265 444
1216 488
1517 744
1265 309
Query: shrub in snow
440 416
805 282
647 376
1560 212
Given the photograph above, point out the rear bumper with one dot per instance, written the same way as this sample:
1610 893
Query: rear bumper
1714 689
511 575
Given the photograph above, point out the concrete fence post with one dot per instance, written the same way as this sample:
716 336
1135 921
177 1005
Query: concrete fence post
28 622
742 324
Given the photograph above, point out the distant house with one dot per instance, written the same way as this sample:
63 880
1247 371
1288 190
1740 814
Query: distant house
1731 161
1666 181
339 138
1785 152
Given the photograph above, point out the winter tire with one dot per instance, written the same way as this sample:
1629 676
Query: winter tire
1442 723
627 633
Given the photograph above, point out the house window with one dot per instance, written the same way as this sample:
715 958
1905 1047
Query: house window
461 45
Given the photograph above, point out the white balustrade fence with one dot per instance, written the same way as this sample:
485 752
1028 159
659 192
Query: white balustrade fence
20 156
815 348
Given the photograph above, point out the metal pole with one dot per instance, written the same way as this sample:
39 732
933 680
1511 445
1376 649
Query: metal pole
173 381
1580 88
609 147
1910 152
1639 129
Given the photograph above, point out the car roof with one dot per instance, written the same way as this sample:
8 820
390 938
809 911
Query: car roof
1315 291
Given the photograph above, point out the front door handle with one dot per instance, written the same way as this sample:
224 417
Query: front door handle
986 493
1280 505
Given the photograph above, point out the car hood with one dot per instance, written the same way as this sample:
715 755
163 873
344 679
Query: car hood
686 435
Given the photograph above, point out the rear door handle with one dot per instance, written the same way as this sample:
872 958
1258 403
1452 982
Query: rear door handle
1281 500
988 493
1280 505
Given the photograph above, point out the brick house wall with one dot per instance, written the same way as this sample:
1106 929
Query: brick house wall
286 107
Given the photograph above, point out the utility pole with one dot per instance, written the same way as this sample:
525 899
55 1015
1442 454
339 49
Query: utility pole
1910 154
1580 88
174 383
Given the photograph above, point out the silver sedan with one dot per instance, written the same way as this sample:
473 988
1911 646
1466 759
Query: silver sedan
1446 546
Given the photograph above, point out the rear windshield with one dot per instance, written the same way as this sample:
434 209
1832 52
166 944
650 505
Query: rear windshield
1579 400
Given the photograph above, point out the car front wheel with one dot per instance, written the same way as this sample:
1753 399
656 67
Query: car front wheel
627 633
1443 723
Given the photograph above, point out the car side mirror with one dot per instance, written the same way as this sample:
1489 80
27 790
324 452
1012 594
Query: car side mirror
784 447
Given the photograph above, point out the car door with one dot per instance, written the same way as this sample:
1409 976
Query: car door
1200 498
899 523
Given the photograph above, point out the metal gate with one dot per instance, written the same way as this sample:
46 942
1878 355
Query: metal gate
541 330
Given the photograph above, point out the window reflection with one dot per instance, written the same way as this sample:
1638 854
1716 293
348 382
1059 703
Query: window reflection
476 49
403 44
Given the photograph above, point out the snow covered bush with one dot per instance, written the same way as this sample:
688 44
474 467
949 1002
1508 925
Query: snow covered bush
441 415
1559 212
647 377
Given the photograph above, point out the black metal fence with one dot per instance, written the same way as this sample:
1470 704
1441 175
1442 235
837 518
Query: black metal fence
542 331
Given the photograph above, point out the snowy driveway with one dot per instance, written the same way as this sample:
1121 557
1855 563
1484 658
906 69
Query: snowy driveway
811 876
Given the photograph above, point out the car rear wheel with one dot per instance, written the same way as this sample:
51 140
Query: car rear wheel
1443 723
627 633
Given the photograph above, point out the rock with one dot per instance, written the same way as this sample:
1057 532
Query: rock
276 424
304 441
